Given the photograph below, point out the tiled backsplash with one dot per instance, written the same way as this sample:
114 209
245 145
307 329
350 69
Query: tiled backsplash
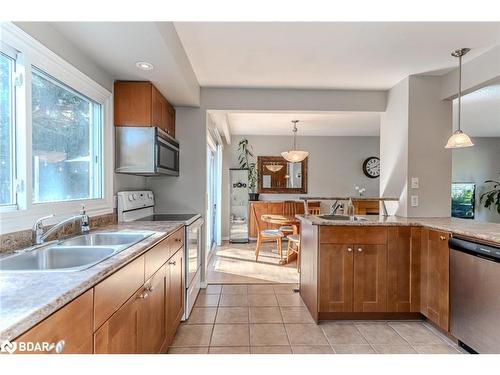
18 240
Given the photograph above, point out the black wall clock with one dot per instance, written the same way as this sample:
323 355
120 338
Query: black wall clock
371 167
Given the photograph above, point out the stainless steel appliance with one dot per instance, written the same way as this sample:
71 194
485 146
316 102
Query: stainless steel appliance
145 151
139 206
474 296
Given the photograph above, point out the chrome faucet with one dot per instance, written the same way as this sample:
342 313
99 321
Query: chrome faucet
334 207
38 235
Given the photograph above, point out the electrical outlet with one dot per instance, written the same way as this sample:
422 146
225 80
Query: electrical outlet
414 182
414 200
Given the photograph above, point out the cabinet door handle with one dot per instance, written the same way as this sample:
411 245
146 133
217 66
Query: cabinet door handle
143 295
173 263
151 289
360 249
442 238
349 249
59 347
178 240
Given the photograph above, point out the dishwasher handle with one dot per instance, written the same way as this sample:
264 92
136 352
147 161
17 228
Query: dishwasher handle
475 248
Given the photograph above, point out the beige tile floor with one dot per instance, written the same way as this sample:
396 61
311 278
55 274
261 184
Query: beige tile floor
272 319
235 264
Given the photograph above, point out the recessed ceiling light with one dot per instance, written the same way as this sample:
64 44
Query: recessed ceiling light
143 65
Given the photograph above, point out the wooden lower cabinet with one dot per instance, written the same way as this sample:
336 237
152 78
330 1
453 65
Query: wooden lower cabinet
174 296
120 334
435 277
336 278
370 287
152 314
403 269
70 328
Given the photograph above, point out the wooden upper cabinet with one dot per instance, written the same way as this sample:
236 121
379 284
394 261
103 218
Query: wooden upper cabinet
435 277
174 300
70 328
370 283
403 269
138 103
336 278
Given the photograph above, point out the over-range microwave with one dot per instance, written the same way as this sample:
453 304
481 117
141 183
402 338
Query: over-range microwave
145 151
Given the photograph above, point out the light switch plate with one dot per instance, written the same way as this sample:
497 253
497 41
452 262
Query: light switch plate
414 200
414 182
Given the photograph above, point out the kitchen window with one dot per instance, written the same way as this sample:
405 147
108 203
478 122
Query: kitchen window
56 136
66 142
7 128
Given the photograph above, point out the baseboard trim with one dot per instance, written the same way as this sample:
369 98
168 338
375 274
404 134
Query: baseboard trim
370 316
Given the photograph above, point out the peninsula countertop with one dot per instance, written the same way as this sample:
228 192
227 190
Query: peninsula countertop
27 298
489 232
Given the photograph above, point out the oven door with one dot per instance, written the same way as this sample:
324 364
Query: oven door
167 156
193 251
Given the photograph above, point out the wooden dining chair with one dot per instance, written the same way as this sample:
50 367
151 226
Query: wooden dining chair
314 210
289 209
294 247
267 235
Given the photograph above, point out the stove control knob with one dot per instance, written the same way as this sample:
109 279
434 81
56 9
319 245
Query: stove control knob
130 197
135 196
150 195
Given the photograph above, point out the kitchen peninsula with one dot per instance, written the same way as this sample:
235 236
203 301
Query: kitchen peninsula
382 267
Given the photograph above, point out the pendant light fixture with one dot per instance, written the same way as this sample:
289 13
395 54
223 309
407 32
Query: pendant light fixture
294 155
459 139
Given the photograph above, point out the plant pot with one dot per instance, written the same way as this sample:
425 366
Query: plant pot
253 196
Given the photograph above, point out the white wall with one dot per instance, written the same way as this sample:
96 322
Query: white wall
430 125
58 44
413 132
478 164
394 148
334 165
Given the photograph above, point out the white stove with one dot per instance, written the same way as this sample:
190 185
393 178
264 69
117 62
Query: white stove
139 206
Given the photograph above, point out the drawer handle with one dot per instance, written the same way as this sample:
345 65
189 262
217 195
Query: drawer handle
360 249
349 249
178 240
442 238
59 347
173 263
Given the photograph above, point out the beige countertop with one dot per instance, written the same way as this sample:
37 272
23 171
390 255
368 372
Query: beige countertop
27 298
482 231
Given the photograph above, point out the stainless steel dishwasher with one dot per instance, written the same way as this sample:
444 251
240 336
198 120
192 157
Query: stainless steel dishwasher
475 295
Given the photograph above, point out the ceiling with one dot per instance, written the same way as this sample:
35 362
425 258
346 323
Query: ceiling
339 55
117 46
310 124
480 112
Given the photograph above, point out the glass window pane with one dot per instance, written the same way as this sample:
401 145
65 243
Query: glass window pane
66 132
7 195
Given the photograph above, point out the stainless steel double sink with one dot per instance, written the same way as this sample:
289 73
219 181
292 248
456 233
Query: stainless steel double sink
73 254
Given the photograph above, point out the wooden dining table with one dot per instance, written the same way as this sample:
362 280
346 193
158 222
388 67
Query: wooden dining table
284 220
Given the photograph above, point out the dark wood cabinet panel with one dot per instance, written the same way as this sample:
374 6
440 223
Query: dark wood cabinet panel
403 269
370 283
435 277
336 278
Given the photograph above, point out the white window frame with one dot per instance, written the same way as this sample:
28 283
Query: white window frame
32 52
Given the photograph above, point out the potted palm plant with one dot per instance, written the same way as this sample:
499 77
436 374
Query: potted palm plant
246 161
491 198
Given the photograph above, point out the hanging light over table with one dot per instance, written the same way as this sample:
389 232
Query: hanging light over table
294 155
459 139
